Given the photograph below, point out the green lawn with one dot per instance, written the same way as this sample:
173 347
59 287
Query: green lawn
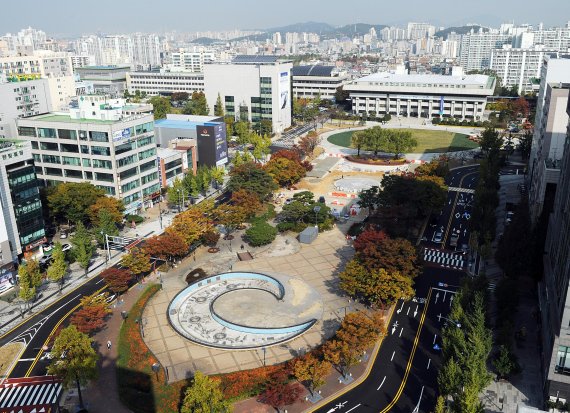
429 141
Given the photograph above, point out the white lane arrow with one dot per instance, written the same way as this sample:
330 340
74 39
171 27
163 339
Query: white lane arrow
394 326
436 297
401 308
332 410
416 311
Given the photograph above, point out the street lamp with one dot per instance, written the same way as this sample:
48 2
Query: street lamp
156 368
316 209
105 247
456 323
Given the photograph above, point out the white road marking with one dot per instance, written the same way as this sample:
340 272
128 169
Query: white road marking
100 281
408 312
358 405
434 338
392 358
401 332
26 360
429 362
381 384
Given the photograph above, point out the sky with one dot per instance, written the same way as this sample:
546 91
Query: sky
62 18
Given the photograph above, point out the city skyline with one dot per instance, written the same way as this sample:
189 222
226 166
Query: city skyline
128 16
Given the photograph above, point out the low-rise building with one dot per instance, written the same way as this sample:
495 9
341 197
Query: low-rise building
458 95
102 141
164 82
107 80
207 134
317 81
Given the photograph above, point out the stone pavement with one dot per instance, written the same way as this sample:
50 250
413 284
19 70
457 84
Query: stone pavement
316 264
525 388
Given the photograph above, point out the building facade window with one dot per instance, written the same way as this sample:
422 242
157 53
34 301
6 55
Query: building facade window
100 163
46 133
68 160
131 185
49 146
27 131
104 177
70 173
96 136
100 151
67 134
69 148
51 159
563 360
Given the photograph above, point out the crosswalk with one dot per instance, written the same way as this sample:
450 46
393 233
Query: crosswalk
444 259
463 190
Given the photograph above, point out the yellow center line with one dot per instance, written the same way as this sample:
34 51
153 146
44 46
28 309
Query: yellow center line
411 359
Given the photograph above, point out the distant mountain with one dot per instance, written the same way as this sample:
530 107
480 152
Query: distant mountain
308 27
206 41
460 30
358 29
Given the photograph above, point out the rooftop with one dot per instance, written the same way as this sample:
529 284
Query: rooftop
110 67
314 70
181 124
57 117
388 79
256 59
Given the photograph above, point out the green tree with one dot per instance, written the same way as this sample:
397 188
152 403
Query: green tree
31 270
58 267
178 192
525 144
161 106
217 173
197 105
70 201
490 141
440 405
75 360
107 226
82 246
253 178
243 131
358 140
399 141
204 396
260 233
230 121
261 144
190 184
219 107
27 290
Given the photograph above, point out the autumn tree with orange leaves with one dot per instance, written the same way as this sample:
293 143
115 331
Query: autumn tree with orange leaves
166 247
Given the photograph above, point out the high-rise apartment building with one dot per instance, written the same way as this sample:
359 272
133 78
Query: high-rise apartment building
103 141
191 60
476 48
420 30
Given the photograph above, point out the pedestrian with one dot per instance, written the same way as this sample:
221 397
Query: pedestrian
242 247
108 344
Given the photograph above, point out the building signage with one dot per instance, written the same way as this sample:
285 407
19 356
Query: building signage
284 87
212 144
6 279
121 134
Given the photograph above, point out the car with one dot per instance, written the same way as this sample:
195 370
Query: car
47 246
464 247
63 235
66 247
438 237
45 260
288 201
322 199
453 240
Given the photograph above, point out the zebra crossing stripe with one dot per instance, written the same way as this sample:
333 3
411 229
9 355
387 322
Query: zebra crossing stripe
444 259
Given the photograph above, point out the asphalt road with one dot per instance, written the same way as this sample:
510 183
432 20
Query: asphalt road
403 377
35 331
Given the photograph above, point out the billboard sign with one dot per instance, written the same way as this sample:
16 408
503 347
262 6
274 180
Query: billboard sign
7 280
121 134
212 144
284 86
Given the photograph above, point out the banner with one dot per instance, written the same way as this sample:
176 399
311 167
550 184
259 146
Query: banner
284 85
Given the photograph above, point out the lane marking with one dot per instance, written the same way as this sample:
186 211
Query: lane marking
434 338
429 362
32 359
392 358
381 384
411 359
358 405
453 209
100 281
408 312
401 332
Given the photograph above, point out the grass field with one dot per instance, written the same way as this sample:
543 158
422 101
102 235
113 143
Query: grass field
429 141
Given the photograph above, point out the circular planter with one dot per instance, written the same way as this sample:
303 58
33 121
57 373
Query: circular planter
213 250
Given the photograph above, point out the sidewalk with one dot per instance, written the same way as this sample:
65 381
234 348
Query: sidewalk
523 389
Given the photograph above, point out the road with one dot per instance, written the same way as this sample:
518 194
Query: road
403 377
35 331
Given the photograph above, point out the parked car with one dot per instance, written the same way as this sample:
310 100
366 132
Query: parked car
45 261
453 240
63 235
66 247
47 246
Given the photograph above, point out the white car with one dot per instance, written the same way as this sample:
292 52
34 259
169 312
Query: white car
438 237
66 247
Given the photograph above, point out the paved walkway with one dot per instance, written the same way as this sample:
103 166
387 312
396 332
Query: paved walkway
525 388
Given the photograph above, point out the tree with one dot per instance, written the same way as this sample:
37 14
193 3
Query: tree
284 171
375 249
440 405
27 290
399 141
230 121
219 107
265 127
137 261
525 144
278 395
217 174
376 286
341 95
74 359
30 270
242 130
197 105
253 178
230 216
361 330
358 140
179 97
91 315
160 106
204 396
71 201
341 354
114 207
311 371
261 144
504 363
58 267
191 224
368 198
82 246
520 107
178 192
107 226
292 155
117 279
166 247
490 141
308 143
260 233
247 201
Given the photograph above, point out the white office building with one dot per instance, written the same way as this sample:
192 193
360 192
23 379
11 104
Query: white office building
101 140
420 30
146 50
317 81
460 96
520 67
254 88
165 82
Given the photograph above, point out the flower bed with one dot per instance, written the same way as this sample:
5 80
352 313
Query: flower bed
138 386
372 160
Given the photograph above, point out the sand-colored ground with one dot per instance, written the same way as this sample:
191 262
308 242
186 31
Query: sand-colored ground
8 355
326 184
